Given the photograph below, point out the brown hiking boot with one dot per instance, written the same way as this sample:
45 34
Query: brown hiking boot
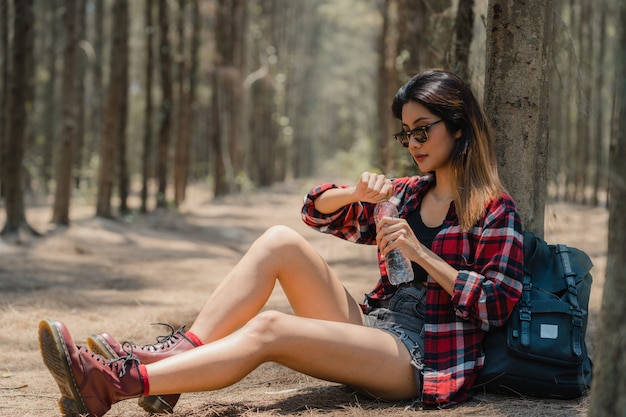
89 383
176 342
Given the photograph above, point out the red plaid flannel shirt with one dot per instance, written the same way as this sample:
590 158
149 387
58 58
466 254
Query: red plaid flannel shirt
490 263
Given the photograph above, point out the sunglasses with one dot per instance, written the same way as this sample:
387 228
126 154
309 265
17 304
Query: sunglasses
419 133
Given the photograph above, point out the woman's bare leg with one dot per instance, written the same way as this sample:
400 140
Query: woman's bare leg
362 357
280 254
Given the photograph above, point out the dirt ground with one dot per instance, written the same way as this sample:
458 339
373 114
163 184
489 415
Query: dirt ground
120 276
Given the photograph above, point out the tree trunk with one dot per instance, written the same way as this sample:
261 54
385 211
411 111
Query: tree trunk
95 97
559 109
582 105
263 128
51 99
387 52
414 32
111 116
236 68
516 100
65 147
571 133
122 165
82 63
148 112
4 88
464 28
227 94
219 157
609 378
306 46
20 86
166 103
181 155
194 72
600 173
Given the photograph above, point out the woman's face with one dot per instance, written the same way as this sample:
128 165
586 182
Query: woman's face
436 153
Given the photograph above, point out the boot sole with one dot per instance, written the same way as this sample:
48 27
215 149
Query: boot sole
57 360
153 404
99 346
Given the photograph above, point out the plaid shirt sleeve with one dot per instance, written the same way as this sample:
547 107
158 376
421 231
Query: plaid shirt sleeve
488 292
354 223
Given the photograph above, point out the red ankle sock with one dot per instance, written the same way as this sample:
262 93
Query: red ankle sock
195 339
143 372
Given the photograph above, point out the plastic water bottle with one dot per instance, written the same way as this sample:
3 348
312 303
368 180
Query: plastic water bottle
399 269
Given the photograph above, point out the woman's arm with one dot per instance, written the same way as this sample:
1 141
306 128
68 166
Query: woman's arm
334 199
490 289
370 188
346 211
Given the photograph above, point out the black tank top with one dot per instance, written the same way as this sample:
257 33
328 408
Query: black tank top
426 235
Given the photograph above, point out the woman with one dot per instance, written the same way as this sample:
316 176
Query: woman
416 341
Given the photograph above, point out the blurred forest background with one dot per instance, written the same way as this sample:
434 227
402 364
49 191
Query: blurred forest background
141 98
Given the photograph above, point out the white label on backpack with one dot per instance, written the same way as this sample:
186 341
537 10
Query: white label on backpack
549 331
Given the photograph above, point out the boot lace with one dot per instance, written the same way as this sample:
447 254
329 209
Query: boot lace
120 363
162 342
116 365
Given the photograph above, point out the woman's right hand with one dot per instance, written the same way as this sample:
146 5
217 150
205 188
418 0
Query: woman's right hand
372 188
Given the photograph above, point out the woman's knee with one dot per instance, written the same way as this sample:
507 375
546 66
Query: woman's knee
281 232
280 236
266 328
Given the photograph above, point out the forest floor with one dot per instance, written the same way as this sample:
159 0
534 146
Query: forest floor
120 276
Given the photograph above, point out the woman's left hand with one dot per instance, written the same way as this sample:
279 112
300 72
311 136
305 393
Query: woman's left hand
394 233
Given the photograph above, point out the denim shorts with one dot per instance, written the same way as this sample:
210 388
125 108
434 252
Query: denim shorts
403 316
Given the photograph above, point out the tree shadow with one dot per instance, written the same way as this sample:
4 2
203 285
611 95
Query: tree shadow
325 400
93 254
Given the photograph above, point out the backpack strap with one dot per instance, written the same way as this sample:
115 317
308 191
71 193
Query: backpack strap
572 296
525 306
532 253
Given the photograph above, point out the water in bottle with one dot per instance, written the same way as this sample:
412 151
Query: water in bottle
399 269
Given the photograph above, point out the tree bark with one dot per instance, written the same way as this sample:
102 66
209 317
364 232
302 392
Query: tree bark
51 99
306 32
95 97
387 53
464 30
571 133
122 164
600 157
166 103
262 165
227 94
67 140
81 69
559 109
148 112
20 87
609 383
4 88
414 32
581 156
181 155
516 100
111 116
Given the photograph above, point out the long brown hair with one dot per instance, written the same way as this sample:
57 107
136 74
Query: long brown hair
475 180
